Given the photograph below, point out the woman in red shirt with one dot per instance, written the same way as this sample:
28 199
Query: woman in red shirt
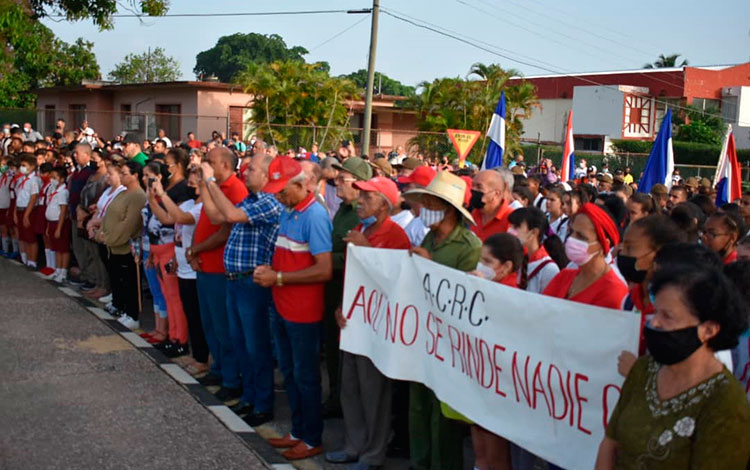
591 235
721 233
641 242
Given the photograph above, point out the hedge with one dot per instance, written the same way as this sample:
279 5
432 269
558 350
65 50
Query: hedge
686 153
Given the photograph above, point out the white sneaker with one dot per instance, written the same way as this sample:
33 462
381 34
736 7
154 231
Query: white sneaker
128 322
106 299
109 308
59 277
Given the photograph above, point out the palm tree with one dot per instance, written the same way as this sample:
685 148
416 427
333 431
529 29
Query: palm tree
665 62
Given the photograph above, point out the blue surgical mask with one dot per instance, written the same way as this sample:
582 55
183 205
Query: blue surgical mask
368 221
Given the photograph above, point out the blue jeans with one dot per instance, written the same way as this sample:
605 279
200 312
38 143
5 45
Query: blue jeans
247 307
160 304
211 296
298 353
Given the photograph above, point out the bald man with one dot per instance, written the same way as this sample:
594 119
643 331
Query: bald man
489 204
313 174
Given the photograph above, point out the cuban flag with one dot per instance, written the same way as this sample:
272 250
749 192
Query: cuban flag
496 133
660 164
568 169
728 180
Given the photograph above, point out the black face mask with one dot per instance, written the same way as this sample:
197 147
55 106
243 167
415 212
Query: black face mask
476 200
405 206
671 347
626 266
330 182
191 192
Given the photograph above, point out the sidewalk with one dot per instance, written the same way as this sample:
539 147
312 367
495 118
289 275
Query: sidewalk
75 395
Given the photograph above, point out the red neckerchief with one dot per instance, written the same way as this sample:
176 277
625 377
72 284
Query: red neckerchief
540 253
731 257
511 280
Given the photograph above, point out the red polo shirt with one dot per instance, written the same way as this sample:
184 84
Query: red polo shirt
498 224
212 261
388 235
608 291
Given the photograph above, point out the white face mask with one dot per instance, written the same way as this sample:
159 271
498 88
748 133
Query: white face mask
53 184
24 170
485 271
431 217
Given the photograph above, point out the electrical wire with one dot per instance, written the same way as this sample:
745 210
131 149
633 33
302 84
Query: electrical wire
339 33
207 15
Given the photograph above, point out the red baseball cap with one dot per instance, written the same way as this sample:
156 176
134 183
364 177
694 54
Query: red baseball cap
422 175
280 171
382 185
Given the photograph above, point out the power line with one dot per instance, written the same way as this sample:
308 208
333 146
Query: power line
206 15
339 33
442 32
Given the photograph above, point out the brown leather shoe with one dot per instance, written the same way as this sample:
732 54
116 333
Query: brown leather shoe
285 441
301 451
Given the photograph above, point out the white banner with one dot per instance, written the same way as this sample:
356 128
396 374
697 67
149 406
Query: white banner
539 371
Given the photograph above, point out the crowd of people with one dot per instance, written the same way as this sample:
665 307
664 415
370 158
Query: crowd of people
243 251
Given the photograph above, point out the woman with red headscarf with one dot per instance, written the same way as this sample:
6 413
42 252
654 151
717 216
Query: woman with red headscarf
591 235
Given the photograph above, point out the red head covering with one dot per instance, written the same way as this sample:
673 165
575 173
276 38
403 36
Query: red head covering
605 227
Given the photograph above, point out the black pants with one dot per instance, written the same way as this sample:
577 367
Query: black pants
189 297
124 280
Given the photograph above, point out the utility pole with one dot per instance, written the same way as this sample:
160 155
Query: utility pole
370 78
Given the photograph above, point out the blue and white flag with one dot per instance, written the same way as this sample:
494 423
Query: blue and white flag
660 164
496 133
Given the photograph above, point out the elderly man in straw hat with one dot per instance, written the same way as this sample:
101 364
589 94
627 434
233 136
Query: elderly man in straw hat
436 441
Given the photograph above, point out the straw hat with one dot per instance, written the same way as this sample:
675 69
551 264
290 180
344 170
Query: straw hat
448 187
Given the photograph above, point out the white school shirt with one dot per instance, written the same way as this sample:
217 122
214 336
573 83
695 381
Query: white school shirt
25 188
541 278
5 190
560 226
416 231
58 197
183 235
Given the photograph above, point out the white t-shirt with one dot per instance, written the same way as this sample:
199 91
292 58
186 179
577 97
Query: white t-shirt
403 218
106 199
26 187
183 237
416 231
58 197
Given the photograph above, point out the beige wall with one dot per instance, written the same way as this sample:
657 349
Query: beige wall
98 108
142 100
213 108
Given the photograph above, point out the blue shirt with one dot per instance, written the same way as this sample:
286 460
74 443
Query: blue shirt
251 244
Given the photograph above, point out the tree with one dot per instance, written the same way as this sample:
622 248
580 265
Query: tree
705 127
99 11
34 58
665 62
290 97
148 67
383 83
236 52
459 103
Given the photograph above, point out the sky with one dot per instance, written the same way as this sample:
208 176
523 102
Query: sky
536 37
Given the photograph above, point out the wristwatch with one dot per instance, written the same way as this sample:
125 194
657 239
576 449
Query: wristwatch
189 251
279 280
211 179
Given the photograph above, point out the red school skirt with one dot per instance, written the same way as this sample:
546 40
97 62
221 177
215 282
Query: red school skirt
9 214
3 216
62 244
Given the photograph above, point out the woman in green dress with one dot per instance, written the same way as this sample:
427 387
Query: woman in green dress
680 408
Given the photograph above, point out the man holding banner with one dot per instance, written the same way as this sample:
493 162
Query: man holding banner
365 391
436 441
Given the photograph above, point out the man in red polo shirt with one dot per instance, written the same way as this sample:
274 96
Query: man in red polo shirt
489 207
301 265
365 391
206 256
